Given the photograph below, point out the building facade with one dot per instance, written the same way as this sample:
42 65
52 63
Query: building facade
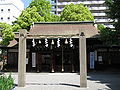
54 47
10 10
97 8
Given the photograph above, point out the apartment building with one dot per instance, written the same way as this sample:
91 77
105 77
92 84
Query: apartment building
10 10
97 8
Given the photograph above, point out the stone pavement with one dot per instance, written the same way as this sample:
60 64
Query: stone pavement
69 81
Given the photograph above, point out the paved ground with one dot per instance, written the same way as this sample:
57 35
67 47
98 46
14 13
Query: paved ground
69 81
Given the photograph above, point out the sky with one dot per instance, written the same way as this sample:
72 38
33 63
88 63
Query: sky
26 2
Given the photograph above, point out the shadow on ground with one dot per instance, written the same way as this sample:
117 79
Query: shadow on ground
110 79
64 84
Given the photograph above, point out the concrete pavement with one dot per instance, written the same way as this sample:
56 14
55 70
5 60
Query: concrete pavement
69 81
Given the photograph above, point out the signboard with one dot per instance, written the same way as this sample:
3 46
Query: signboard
100 58
26 60
33 59
92 60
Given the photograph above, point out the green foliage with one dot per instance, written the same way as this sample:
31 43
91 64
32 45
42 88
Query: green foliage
6 83
37 11
41 5
43 8
113 12
7 33
16 27
76 12
100 27
55 18
114 9
26 19
108 36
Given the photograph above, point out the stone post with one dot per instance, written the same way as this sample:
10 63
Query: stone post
82 57
22 58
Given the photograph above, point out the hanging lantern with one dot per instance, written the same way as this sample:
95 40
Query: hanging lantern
33 42
58 42
52 42
66 41
46 42
71 42
39 41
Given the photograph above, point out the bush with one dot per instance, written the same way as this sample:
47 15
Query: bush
100 27
6 83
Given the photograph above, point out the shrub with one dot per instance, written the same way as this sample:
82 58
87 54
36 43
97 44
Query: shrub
100 27
6 83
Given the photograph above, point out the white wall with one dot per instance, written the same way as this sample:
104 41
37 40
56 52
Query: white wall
15 7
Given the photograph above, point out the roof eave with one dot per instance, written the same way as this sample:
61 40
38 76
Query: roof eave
68 22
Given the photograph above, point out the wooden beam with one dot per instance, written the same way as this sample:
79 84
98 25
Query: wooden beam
30 36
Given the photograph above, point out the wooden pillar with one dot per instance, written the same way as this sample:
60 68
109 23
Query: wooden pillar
72 64
39 61
83 64
52 67
52 62
22 58
62 60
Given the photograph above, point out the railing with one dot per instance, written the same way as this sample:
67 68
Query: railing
104 20
84 2
98 14
97 8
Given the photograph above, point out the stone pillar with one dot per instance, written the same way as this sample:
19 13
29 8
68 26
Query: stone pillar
82 57
22 58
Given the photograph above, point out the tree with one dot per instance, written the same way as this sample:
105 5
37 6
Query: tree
44 9
113 12
107 35
100 27
76 12
7 33
25 20
55 18
37 11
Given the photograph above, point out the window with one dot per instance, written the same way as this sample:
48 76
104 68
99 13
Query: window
1 10
8 10
1 18
8 18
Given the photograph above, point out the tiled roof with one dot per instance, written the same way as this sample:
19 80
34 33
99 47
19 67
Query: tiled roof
12 43
60 28
66 28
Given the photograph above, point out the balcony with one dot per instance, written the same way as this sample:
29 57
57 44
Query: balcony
97 8
103 20
98 14
110 26
93 2
59 9
84 2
